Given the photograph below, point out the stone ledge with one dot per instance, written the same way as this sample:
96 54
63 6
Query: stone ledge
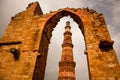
106 43
10 43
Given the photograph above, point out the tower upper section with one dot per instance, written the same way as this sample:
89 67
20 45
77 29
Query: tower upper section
67 27
67 42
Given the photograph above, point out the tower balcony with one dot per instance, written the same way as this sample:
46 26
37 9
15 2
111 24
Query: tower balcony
67 45
67 63
67 32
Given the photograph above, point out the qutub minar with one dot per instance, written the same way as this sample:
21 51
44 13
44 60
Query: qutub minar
25 43
67 64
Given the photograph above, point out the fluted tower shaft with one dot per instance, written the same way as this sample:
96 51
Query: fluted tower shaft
67 64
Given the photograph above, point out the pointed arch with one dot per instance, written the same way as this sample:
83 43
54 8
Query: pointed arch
54 19
48 27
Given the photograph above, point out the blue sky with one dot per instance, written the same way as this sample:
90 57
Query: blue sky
109 8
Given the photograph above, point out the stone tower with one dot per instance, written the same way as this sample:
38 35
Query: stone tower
24 44
67 64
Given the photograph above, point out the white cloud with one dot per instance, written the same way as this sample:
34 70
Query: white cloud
116 38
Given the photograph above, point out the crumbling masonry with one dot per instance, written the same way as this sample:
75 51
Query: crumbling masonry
24 44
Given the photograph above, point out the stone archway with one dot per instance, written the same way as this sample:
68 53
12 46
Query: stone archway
98 45
29 33
47 34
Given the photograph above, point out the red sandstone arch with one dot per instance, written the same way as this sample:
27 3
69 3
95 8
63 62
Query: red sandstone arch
56 17
33 29
96 36
50 24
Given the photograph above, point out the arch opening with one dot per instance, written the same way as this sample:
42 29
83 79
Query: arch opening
54 52
39 71
48 28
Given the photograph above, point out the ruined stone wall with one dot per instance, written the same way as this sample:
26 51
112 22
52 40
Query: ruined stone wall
102 61
30 31
21 34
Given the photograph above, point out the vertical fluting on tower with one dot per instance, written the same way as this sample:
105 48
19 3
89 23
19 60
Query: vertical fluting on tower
67 64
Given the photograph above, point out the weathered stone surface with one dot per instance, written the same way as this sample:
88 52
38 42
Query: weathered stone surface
34 30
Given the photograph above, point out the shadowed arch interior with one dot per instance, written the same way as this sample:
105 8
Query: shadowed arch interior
39 71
